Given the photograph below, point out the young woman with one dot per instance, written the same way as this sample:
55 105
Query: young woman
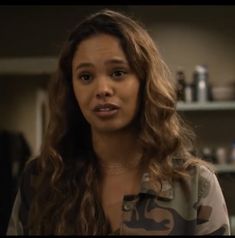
116 158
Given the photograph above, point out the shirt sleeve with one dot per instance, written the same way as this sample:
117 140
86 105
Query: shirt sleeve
212 213
19 214
15 225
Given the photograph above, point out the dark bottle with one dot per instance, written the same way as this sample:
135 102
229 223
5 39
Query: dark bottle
181 83
232 153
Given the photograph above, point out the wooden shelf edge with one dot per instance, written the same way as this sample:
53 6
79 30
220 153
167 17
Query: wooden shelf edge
215 105
225 168
28 65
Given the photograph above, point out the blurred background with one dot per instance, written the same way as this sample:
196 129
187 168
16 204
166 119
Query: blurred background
197 43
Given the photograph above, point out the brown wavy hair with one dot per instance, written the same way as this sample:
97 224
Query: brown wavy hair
67 201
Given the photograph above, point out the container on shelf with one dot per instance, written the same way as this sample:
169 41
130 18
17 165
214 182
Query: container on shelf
232 153
223 93
201 84
208 155
221 155
181 83
188 93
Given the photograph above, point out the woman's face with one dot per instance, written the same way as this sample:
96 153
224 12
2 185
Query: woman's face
104 85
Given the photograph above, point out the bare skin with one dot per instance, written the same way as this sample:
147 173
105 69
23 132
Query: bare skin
121 174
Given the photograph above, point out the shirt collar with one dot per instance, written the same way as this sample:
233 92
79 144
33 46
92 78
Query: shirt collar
147 187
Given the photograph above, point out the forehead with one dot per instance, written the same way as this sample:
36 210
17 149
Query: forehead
99 46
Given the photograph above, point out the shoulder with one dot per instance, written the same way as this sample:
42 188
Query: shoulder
22 203
197 169
205 174
207 181
212 213
208 200
199 179
202 171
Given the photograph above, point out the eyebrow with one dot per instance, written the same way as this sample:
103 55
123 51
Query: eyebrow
111 61
84 65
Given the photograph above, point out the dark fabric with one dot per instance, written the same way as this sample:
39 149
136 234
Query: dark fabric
14 152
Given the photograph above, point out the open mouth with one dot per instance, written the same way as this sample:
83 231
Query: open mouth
106 110
105 107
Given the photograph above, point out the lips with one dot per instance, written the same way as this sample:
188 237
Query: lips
105 107
106 110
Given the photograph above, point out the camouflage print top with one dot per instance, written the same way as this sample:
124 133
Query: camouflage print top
198 210
194 206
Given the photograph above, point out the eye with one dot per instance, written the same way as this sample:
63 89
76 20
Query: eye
118 74
85 77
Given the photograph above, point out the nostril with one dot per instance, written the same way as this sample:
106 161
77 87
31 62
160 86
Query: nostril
103 94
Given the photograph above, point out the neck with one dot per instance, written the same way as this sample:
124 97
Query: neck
117 151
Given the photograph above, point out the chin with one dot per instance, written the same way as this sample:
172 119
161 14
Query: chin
108 129
113 127
108 126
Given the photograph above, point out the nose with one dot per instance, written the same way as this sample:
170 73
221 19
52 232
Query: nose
104 88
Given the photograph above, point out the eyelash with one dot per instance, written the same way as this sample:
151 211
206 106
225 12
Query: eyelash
123 73
90 76
84 75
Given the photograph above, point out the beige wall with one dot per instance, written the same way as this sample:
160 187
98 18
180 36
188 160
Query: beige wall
187 46
193 35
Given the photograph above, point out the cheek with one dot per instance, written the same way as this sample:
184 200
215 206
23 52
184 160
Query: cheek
132 100
137 101
136 95
78 95
81 103
81 100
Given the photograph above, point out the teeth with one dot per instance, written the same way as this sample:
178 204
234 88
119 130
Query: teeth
105 109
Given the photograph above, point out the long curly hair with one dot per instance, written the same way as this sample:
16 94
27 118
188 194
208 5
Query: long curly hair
67 201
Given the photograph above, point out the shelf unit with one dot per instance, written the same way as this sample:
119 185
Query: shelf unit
28 65
225 168
210 106
214 105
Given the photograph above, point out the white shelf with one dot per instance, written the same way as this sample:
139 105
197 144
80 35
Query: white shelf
225 168
28 65
196 106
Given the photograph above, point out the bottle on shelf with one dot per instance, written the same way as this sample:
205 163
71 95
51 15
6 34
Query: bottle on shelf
188 93
221 155
201 84
181 83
